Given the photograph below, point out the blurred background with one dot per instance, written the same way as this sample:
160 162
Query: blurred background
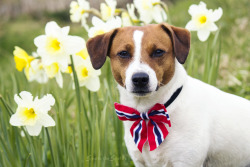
22 20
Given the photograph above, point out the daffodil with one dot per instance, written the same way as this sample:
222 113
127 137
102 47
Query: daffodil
56 45
33 113
83 53
22 59
87 75
203 20
101 27
53 71
79 12
150 10
131 11
37 72
108 9
126 19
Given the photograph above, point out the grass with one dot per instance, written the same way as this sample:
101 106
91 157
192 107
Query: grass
94 136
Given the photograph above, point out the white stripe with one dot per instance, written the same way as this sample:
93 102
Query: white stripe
160 132
157 144
161 114
156 141
139 136
137 36
121 112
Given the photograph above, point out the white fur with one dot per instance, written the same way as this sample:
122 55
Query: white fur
207 124
137 66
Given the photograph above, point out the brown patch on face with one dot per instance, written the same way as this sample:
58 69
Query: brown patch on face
175 42
154 38
123 41
164 66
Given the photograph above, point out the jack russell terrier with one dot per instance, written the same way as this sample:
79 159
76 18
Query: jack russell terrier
209 127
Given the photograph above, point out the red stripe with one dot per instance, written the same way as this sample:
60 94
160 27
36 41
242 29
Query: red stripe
134 126
163 129
123 108
160 118
143 136
151 136
157 106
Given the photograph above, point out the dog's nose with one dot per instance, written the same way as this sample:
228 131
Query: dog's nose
140 79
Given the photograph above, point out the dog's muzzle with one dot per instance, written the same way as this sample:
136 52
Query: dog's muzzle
140 83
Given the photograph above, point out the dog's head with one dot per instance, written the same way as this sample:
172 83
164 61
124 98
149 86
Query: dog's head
142 58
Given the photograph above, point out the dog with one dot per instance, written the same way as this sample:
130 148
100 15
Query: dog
209 128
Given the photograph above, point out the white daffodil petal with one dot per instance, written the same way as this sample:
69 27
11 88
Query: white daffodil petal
40 41
84 3
95 72
97 22
93 84
46 120
18 100
157 14
34 130
65 30
84 23
15 120
74 44
202 5
212 27
115 22
191 26
193 9
131 11
37 71
26 96
59 79
44 104
203 35
51 28
146 17
216 15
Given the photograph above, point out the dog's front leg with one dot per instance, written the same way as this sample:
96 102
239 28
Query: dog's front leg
133 151
183 164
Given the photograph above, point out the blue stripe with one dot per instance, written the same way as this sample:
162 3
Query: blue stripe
144 116
136 136
158 134
155 112
127 116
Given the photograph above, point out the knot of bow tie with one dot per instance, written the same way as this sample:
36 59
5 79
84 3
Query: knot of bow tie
154 131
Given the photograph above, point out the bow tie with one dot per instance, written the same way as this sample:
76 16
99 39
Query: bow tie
149 126
155 131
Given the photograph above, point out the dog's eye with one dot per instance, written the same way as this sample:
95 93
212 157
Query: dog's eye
158 53
124 54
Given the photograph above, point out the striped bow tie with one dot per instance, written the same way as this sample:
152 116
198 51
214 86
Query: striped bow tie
154 131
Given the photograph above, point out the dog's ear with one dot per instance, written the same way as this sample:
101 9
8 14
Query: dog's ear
180 40
98 48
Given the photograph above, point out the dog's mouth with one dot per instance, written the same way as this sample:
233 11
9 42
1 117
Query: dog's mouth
141 92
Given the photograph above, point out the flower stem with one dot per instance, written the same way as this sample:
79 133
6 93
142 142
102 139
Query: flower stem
50 145
95 12
78 97
7 107
165 7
